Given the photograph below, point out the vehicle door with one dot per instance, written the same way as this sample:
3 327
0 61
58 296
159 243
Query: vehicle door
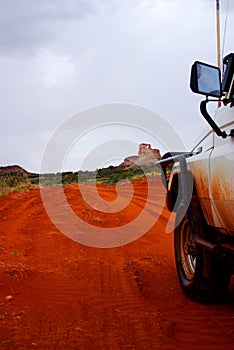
222 172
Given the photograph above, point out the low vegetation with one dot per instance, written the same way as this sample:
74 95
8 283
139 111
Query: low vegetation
14 182
109 175
21 182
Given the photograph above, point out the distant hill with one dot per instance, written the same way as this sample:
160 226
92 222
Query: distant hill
12 169
13 177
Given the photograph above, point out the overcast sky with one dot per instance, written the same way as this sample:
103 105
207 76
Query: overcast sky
60 57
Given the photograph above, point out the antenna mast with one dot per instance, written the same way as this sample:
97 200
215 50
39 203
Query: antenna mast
218 34
218 40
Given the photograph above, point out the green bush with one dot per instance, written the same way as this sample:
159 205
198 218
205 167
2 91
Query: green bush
13 181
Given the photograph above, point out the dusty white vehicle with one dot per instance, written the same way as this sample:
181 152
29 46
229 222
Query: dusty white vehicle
200 189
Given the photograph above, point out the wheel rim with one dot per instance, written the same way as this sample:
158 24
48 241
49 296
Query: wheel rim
187 251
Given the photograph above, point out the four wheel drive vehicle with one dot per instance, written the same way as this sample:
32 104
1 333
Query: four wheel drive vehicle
200 189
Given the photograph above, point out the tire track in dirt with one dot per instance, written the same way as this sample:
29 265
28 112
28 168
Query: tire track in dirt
78 297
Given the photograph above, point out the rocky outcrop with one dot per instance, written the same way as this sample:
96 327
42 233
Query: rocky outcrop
146 157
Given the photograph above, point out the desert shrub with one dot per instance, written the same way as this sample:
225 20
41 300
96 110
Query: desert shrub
13 181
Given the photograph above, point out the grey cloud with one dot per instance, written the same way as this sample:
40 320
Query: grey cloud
228 4
25 24
61 56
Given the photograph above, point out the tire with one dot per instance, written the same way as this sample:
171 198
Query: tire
203 276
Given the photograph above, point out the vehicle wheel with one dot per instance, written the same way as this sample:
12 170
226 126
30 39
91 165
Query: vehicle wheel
202 275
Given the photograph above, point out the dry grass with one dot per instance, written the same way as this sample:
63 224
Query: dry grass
10 183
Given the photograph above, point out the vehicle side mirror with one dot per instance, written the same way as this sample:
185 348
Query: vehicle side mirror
206 79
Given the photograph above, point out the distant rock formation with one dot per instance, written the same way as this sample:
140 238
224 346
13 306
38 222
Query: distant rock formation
146 157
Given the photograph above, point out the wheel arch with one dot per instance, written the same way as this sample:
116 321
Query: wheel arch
174 193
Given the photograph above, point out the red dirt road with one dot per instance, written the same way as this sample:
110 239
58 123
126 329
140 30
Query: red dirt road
58 294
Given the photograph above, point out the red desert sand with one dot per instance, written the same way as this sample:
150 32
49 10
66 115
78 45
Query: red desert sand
58 294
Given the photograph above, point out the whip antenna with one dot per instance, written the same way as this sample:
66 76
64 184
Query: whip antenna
218 39
218 34
225 28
